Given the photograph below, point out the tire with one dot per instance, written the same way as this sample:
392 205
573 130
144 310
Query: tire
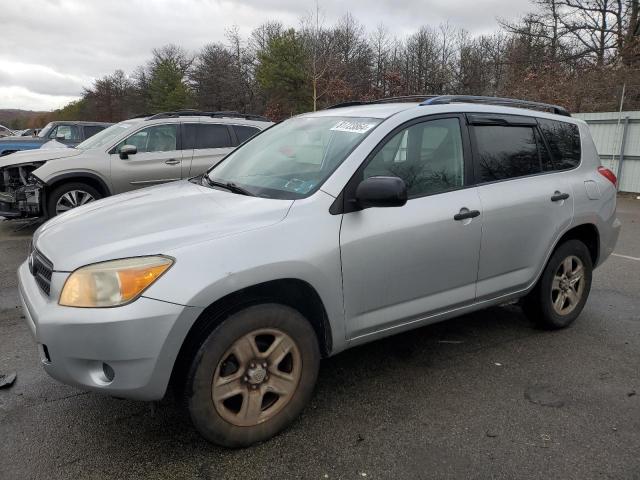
544 305
251 402
58 195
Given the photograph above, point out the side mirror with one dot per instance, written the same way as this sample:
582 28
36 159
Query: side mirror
127 150
61 138
381 192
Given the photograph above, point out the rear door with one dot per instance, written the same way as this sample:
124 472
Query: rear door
158 160
205 145
525 209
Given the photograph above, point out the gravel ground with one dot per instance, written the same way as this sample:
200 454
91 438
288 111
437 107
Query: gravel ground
482 396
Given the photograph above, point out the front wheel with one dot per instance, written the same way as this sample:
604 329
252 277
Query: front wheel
253 375
70 195
562 291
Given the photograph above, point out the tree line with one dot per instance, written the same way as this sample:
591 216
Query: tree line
577 53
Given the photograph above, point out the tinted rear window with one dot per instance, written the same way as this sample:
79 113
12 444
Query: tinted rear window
564 142
204 135
505 152
245 133
91 130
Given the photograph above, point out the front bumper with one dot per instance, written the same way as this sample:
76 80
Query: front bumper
23 202
139 342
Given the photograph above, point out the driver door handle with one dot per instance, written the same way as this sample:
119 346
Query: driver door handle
172 161
465 215
557 196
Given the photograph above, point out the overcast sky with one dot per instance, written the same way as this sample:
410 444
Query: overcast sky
52 48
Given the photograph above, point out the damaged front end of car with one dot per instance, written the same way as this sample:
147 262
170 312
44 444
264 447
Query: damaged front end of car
21 192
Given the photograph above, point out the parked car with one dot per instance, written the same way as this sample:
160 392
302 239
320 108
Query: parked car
329 230
131 154
69 133
5 131
27 132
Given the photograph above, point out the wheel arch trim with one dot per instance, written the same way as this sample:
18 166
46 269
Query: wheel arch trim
283 290
79 175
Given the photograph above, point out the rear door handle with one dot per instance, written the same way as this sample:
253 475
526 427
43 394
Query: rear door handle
557 196
172 161
464 215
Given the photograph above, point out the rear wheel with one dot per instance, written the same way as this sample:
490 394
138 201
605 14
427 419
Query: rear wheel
562 291
69 196
253 375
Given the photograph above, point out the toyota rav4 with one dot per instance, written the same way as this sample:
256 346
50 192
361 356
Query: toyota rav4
326 231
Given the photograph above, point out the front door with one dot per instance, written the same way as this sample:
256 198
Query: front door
158 159
402 264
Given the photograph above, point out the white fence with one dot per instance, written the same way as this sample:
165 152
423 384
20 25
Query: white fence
617 137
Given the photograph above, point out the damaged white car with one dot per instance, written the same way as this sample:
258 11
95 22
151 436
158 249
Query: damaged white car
132 154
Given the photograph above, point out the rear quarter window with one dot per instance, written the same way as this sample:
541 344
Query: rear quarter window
244 133
564 143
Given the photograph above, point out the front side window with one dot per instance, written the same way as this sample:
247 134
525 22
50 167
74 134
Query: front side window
69 132
428 156
292 159
564 141
505 152
159 138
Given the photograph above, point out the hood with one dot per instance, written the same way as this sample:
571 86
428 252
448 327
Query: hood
151 221
29 156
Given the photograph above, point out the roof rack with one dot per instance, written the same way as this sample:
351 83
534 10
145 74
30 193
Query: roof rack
507 102
198 113
404 98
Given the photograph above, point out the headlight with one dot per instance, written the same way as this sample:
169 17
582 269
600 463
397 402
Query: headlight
113 283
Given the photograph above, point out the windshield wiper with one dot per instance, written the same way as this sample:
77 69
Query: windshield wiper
232 187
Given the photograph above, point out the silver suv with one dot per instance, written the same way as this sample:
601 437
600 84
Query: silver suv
131 154
326 231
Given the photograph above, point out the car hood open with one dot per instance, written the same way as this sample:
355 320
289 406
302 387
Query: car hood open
38 155
151 221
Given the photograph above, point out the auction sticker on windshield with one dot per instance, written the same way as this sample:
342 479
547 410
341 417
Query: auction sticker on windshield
353 127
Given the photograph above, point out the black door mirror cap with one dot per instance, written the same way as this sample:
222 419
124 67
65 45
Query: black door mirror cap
381 192
127 150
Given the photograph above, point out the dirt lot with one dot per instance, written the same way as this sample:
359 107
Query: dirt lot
482 396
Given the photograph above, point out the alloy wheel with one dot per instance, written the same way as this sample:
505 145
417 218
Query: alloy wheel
568 285
257 377
73 199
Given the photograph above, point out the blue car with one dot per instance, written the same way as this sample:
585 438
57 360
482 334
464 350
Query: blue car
69 133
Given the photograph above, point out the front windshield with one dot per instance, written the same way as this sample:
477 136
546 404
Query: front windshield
45 131
105 137
292 159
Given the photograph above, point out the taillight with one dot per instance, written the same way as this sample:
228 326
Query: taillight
609 175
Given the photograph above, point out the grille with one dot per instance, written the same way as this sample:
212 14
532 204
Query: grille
41 268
